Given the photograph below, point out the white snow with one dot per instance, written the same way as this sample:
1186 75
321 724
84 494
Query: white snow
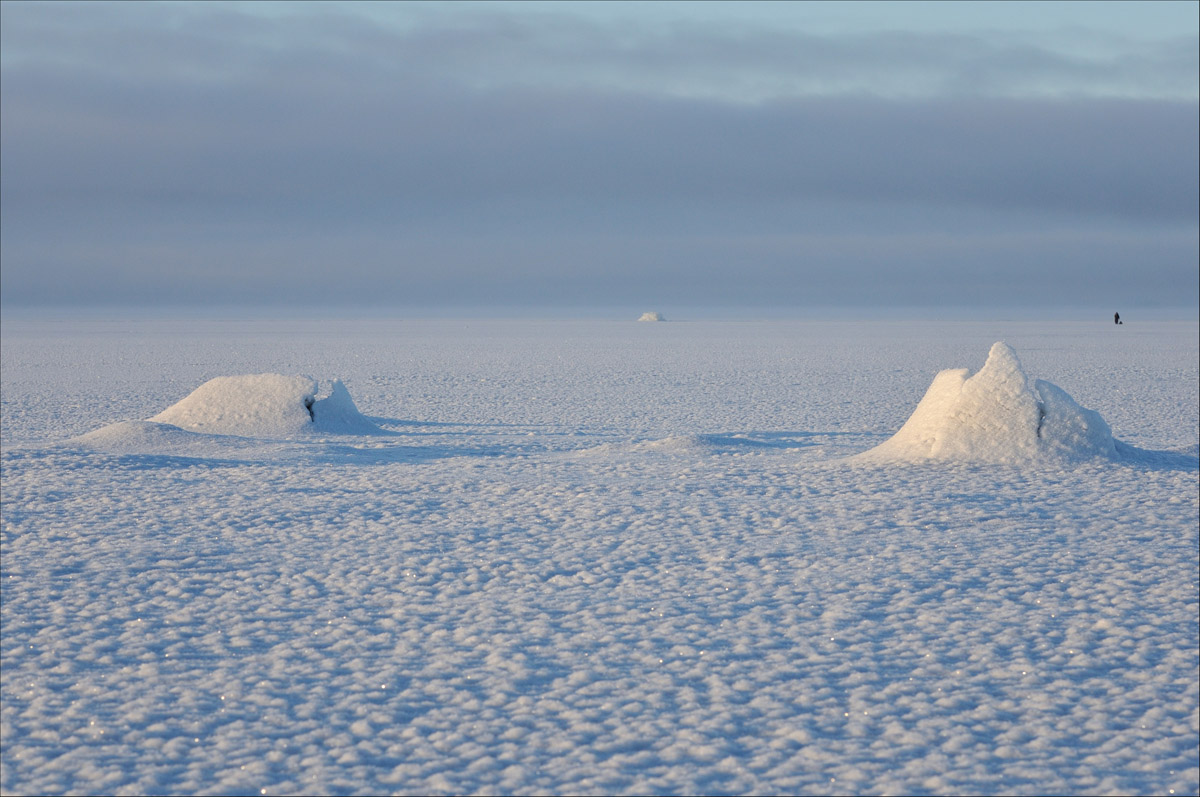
136 436
996 416
255 405
571 557
261 405
652 316
337 412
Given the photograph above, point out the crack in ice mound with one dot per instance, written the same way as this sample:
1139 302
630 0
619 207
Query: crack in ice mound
996 416
337 412
266 405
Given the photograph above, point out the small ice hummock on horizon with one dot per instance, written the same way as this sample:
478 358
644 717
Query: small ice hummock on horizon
998 416
652 316
253 405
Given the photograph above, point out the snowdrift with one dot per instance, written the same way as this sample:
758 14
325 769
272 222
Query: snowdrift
252 406
135 436
997 415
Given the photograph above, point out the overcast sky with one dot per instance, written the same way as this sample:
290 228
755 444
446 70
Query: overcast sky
753 155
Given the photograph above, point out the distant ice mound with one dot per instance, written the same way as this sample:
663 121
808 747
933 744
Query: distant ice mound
652 317
996 416
266 405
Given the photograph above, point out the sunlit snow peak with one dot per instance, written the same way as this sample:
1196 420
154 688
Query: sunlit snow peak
997 415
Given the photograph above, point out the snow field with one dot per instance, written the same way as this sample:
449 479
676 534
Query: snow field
612 559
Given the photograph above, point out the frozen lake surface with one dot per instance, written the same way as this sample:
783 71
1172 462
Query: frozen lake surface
592 557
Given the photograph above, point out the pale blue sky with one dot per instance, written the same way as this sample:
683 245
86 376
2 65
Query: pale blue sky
562 155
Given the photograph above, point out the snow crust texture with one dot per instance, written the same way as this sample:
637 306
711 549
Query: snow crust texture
594 558
997 416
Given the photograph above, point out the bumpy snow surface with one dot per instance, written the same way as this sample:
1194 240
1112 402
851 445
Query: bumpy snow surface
589 557
997 416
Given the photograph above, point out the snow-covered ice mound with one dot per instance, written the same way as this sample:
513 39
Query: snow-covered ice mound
997 416
258 405
652 317
250 406
266 405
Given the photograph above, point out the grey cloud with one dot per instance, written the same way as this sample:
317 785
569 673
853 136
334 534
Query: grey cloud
1061 269
348 149
751 64
497 48
216 162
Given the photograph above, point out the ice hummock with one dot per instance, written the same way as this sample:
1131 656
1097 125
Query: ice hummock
652 316
997 415
251 405
266 405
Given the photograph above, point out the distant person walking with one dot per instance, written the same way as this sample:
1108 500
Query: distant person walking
1116 318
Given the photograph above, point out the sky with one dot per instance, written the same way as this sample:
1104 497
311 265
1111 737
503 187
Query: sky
762 156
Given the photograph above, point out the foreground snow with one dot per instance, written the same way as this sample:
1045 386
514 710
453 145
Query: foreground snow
587 557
